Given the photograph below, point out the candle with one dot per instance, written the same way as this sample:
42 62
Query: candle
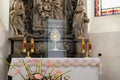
89 46
24 45
83 45
32 45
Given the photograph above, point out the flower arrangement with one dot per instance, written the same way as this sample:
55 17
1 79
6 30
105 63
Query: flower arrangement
40 72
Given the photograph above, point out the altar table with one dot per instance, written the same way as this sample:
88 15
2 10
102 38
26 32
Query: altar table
81 68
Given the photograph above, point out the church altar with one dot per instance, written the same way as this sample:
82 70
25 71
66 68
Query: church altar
81 68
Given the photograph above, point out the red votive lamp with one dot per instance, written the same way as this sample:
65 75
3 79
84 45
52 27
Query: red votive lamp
32 45
83 46
24 45
89 46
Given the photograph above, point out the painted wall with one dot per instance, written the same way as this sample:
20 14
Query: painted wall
4 13
4 50
90 12
104 32
4 33
102 24
109 45
105 24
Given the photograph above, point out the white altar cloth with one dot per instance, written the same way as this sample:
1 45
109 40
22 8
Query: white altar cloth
81 68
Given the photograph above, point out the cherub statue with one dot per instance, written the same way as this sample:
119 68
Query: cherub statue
17 15
79 20
58 9
44 9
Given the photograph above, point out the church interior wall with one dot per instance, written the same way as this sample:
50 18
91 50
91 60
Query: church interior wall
4 28
4 49
108 45
90 12
4 12
105 24
104 32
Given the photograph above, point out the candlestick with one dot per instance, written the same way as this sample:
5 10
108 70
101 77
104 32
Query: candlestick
24 45
28 55
83 45
87 55
32 45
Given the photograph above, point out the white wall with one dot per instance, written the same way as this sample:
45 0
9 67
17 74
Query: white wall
109 45
4 12
4 50
4 34
104 23
104 32
90 12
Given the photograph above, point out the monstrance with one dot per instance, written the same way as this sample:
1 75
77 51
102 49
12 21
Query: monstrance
55 36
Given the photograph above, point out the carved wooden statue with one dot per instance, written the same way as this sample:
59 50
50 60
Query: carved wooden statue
17 15
43 12
79 20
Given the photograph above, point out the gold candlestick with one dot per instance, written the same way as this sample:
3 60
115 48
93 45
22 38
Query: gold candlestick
28 55
87 55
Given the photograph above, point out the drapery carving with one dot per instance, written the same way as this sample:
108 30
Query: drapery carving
17 15
79 20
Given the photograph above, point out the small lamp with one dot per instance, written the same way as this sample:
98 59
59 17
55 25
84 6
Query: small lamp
83 45
32 45
24 44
